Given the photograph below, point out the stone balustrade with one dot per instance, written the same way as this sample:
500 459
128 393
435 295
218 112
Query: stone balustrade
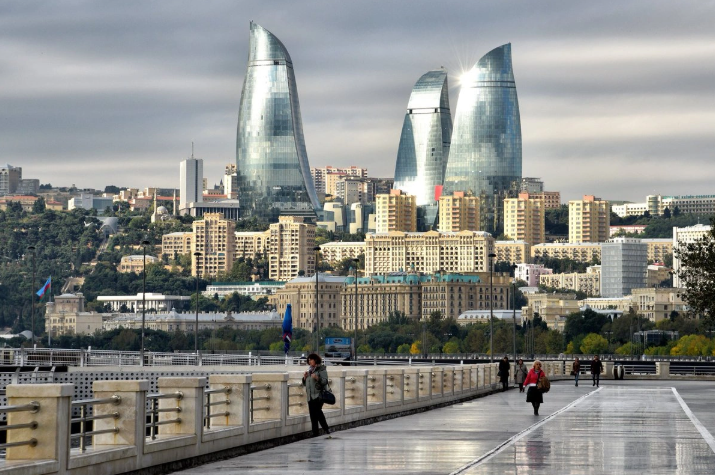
184 421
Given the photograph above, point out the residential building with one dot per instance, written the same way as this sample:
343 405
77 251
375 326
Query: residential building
658 249
657 304
620 304
271 159
686 204
174 244
624 265
682 237
588 282
515 252
251 244
485 152
351 190
319 175
659 276
173 321
154 302
89 201
9 179
589 220
395 211
191 178
630 209
290 248
552 199
580 252
213 246
553 308
26 202
530 273
301 294
524 219
458 212
28 186
531 185
135 264
250 289
429 252
337 251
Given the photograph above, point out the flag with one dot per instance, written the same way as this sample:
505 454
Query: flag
45 288
287 328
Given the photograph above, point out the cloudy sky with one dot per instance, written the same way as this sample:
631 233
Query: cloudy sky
617 98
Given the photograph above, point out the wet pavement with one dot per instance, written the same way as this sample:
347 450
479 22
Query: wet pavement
624 427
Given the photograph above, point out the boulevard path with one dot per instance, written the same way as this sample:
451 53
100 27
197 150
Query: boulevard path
623 427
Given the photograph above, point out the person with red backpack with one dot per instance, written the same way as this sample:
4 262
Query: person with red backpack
534 394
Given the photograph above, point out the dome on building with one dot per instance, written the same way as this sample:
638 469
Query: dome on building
162 210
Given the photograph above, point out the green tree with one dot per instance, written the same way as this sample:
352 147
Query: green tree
451 347
594 344
697 272
404 348
38 207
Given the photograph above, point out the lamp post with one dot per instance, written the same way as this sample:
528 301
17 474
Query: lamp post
32 294
355 319
513 307
317 316
145 243
491 307
197 255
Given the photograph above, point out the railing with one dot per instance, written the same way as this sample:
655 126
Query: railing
692 370
253 408
639 369
155 410
31 407
84 418
299 395
224 402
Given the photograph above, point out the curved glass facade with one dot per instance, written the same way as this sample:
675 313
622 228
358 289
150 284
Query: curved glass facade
272 164
485 156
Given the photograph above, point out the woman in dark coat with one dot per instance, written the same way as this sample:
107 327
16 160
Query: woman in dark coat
504 369
533 393
315 380
520 373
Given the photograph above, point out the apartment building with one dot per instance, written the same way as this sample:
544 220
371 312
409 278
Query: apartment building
580 252
174 244
524 219
530 273
337 251
291 246
589 220
552 199
458 212
516 252
135 264
301 294
212 249
395 211
657 304
588 282
251 244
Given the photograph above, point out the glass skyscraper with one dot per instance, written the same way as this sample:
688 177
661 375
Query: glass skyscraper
424 143
273 174
485 156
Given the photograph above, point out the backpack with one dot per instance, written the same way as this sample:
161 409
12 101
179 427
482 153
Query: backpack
543 384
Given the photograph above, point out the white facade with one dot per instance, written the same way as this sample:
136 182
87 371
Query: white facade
530 273
630 209
482 316
158 302
251 289
684 236
191 182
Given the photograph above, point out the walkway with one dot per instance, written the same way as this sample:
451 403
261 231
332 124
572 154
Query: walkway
625 427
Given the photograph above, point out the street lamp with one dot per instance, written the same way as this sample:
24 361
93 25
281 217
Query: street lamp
355 319
32 294
145 243
513 306
317 317
197 255
491 307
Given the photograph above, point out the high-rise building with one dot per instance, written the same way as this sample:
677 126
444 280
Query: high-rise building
589 220
524 219
9 179
552 199
458 212
290 248
395 211
624 266
485 153
191 183
682 237
424 142
214 239
320 174
271 160
531 185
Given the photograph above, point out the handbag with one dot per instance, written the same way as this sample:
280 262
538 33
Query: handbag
327 396
573 373
543 384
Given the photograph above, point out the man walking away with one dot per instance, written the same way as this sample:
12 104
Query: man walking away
596 368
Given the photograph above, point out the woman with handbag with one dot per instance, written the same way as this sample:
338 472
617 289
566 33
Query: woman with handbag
520 374
576 369
533 393
315 380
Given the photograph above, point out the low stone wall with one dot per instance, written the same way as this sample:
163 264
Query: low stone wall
194 418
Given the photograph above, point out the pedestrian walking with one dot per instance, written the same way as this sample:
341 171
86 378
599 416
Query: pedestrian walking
533 393
504 369
576 370
315 380
596 368
520 373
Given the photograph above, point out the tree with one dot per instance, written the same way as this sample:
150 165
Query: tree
38 207
451 347
594 344
697 273
405 348
666 213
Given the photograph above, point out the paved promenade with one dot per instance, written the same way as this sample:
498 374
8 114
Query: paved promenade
624 427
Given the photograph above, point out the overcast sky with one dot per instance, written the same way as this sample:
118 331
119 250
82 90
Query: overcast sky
617 98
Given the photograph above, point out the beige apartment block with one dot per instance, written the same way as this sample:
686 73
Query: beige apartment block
135 263
337 251
290 248
251 244
174 244
524 219
656 304
214 239
552 199
320 174
301 294
589 281
429 252
658 249
458 212
658 274
580 252
624 304
395 211
553 308
589 220
516 252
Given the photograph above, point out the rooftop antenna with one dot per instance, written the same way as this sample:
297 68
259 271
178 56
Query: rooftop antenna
192 149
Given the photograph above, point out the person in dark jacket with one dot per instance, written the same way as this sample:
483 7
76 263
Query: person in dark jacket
504 369
315 380
576 370
520 373
596 368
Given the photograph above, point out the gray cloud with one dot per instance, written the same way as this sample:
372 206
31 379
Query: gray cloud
616 97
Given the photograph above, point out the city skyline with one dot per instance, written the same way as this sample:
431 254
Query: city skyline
615 100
